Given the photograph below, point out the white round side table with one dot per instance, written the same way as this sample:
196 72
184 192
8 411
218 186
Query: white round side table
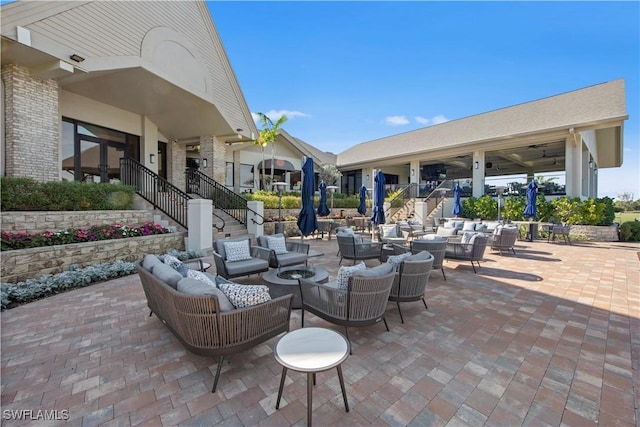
312 350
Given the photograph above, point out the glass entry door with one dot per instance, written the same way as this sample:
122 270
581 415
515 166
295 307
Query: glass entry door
99 160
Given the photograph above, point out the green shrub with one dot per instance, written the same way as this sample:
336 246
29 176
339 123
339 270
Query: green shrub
630 231
26 194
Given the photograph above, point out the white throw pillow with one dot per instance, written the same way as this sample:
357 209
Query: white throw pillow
344 273
466 237
388 230
199 275
278 244
242 296
237 251
469 226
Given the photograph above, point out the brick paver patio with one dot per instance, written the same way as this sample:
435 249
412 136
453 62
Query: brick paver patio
550 336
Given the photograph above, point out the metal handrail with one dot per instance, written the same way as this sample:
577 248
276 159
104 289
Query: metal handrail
163 195
408 192
224 199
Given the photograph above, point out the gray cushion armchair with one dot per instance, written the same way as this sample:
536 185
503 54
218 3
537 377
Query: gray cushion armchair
392 233
504 239
292 253
236 257
362 303
436 246
411 280
353 248
473 250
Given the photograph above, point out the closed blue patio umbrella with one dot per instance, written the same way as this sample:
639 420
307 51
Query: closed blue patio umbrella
362 207
532 195
307 221
323 209
457 207
377 216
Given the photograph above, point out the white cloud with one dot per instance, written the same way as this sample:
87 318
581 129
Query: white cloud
421 120
439 119
396 120
276 114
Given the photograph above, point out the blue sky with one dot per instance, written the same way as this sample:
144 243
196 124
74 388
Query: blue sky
350 72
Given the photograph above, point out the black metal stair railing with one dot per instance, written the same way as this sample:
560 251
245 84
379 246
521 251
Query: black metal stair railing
399 200
163 195
224 199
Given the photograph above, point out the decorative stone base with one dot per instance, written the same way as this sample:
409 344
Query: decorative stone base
23 264
597 233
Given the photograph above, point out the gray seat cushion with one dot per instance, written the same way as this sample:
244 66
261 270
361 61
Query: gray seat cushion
191 286
378 271
420 256
249 266
166 274
291 258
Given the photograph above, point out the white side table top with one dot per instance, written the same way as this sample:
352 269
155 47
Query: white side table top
311 349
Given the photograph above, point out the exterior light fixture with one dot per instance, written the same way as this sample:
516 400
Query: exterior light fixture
239 134
590 164
413 172
76 57
204 163
476 164
152 158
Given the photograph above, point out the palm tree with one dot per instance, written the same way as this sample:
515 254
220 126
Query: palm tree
268 135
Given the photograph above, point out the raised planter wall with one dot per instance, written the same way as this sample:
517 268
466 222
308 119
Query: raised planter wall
37 222
19 265
598 233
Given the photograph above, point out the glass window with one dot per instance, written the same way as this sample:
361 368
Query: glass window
229 177
67 152
246 176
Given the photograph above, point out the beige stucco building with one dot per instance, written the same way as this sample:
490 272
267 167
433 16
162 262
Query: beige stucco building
85 83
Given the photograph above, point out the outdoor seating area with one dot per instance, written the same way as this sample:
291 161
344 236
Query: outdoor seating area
518 342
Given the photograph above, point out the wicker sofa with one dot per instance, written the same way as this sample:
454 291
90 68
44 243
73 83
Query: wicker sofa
204 328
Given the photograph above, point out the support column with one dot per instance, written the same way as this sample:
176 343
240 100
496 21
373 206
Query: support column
414 176
478 173
573 165
200 221
255 228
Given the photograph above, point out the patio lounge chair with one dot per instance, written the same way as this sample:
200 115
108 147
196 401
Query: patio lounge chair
283 253
362 303
353 248
436 246
391 233
504 238
254 259
471 250
411 279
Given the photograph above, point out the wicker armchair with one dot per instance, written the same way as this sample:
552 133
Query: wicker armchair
504 239
472 251
229 269
559 231
363 303
391 233
411 280
350 248
198 323
297 252
436 247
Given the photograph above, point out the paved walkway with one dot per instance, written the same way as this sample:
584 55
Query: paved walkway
550 336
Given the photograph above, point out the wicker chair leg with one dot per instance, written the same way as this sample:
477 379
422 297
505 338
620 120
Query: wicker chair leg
425 304
474 267
514 251
219 368
443 276
150 313
302 316
386 325
399 311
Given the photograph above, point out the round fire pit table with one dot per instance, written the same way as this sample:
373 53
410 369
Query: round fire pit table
284 281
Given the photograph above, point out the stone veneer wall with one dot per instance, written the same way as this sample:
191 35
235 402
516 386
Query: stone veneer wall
594 233
32 125
36 222
25 264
